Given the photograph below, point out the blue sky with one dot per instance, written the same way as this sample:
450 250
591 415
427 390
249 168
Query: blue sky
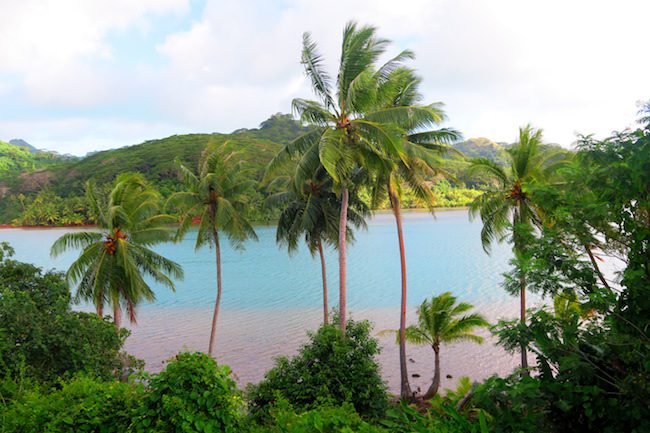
78 75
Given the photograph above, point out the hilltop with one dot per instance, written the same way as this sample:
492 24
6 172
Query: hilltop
45 188
16 159
483 148
22 143
154 158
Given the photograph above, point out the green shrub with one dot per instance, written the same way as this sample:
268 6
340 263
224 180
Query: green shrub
328 369
192 394
323 419
42 337
81 405
441 418
515 404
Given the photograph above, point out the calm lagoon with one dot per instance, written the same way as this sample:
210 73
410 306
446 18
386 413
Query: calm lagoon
271 299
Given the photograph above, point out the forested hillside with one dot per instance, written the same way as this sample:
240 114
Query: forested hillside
21 158
41 188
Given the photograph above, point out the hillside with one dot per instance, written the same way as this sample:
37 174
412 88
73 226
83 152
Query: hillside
482 148
155 158
22 143
21 158
44 188
35 192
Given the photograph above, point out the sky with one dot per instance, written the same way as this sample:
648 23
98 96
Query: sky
85 75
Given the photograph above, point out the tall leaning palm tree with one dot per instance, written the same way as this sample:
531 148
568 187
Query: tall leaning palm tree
350 131
508 207
115 259
310 211
414 170
217 197
442 320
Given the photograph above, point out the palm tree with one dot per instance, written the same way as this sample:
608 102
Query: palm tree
421 148
311 212
115 259
441 320
217 197
508 207
350 131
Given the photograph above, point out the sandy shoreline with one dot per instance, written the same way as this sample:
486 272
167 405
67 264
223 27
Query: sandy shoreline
249 341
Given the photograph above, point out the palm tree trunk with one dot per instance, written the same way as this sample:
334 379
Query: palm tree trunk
99 306
117 315
342 264
601 277
433 389
522 306
405 387
215 316
324 275
522 279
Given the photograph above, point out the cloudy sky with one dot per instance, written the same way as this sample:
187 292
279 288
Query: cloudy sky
84 75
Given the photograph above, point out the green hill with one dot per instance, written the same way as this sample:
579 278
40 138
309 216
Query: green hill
18 159
43 188
29 185
482 148
155 158
22 143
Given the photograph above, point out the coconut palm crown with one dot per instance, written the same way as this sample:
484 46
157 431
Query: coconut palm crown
442 320
216 197
115 260
508 207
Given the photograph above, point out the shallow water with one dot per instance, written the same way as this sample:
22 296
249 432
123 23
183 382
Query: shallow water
270 299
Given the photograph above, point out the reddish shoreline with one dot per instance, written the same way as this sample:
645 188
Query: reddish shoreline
194 222
9 226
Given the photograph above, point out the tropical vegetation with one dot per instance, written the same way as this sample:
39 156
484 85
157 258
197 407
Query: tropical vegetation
509 207
216 198
442 320
53 194
310 210
400 88
368 136
115 259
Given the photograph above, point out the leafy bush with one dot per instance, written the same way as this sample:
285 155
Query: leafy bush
441 418
329 369
515 404
323 419
192 394
42 337
82 405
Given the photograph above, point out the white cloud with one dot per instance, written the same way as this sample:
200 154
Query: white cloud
565 66
240 62
568 67
57 46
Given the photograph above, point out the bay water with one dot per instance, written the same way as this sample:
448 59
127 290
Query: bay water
271 300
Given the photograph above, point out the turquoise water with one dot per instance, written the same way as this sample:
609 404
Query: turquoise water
442 254
270 299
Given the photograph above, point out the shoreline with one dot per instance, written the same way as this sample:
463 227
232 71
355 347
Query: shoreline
63 226
81 226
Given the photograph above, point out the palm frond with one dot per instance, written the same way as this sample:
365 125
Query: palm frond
314 69
74 240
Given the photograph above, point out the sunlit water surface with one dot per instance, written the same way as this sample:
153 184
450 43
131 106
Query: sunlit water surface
271 299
